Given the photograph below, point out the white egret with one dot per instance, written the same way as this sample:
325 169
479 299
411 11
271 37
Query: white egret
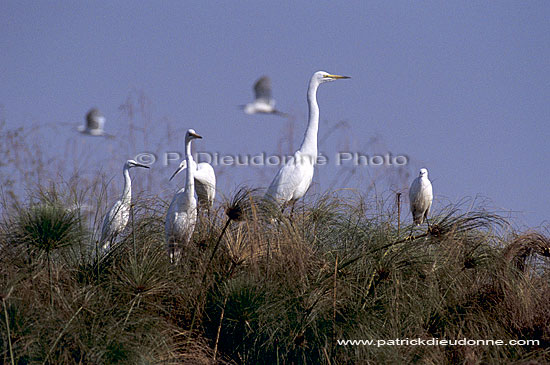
205 181
116 220
94 123
263 101
294 178
182 212
421 197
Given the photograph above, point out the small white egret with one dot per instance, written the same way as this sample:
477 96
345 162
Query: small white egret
294 178
205 181
94 124
116 220
263 101
181 217
421 197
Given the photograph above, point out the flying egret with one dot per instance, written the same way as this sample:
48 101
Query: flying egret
116 220
420 197
205 181
94 123
263 101
182 212
294 178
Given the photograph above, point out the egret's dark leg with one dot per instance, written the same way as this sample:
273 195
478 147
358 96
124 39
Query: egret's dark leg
429 228
292 209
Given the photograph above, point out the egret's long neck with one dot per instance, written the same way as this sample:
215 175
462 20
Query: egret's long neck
189 179
127 192
309 144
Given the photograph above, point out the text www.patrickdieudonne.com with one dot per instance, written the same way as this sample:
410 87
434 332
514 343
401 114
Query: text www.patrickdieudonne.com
437 342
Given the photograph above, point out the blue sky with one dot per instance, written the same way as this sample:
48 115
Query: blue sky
462 88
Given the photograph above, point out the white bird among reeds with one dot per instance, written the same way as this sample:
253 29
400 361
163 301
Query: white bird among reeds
294 178
421 197
117 218
181 217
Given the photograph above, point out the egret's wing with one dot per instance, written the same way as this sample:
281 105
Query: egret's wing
262 90
109 221
205 180
205 173
100 122
170 218
414 192
285 182
429 197
105 228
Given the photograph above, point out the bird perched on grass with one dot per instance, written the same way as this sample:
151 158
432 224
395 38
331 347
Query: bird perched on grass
263 101
116 220
420 197
181 217
294 178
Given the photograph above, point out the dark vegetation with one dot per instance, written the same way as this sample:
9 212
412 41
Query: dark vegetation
270 288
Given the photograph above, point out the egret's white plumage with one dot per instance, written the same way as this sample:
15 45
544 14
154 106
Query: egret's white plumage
263 101
117 218
94 123
294 178
205 181
421 197
182 212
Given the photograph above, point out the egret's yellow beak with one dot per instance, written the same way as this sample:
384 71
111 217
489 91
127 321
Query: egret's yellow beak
195 135
338 77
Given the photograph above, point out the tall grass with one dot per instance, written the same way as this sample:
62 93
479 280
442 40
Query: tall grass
268 287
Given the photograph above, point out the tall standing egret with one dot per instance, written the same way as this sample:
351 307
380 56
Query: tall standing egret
116 220
182 212
294 178
263 101
94 123
421 197
205 181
